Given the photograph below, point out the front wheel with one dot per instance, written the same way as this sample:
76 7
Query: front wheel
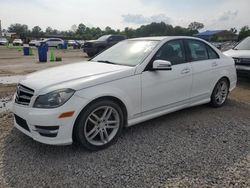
99 125
220 93
90 54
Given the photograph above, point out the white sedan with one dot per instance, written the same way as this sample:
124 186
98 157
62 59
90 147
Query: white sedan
34 42
131 82
17 42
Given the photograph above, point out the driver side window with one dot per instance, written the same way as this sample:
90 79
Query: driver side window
172 51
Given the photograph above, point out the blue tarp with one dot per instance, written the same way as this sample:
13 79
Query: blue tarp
207 34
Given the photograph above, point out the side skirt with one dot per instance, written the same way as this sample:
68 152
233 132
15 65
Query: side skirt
165 110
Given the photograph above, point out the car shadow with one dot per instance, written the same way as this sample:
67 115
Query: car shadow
199 141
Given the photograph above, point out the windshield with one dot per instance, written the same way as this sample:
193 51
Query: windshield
243 45
103 38
129 52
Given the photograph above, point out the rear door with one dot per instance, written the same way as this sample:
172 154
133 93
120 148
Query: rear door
205 65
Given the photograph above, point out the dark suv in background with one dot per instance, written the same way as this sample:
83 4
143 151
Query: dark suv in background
94 47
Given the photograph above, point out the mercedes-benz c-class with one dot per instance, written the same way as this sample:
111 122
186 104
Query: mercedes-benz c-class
133 81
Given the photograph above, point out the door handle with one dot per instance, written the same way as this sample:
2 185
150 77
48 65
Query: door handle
214 64
185 71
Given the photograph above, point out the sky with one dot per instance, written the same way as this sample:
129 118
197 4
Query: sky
118 14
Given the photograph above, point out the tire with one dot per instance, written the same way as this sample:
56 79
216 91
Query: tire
90 54
100 125
220 93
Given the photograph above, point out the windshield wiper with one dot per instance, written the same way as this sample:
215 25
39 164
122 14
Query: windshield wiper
105 61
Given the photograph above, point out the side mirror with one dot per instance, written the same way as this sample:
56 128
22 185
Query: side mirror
161 65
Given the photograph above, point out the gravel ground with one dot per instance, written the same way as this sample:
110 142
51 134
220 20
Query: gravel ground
196 147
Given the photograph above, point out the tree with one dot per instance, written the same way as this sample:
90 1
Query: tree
88 33
81 29
19 29
244 32
233 30
49 30
129 32
195 26
36 31
109 30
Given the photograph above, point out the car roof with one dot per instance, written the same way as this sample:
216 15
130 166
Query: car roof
52 38
109 35
161 38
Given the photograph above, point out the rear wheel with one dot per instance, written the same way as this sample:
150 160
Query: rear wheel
99 125
220 93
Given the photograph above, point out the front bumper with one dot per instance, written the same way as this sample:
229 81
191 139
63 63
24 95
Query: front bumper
243 70
44 125
89 50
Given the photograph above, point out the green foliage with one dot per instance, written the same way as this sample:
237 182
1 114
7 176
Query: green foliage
244 32
19 29
234 30
214 38
88 33
36 31
81 29
48 30
195 26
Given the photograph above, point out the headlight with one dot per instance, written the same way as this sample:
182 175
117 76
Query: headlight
54 99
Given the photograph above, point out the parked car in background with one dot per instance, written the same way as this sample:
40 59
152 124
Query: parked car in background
217 45
17 42
4 41
34 42
52 42
74 43
81 42
241 55
94 47
131 82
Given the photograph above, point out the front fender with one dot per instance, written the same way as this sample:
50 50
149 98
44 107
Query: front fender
128 90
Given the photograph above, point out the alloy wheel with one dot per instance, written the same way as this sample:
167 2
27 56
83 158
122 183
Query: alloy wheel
221 92
101 125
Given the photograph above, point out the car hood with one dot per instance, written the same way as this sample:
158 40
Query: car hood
75 76
91 41
238 53
95 42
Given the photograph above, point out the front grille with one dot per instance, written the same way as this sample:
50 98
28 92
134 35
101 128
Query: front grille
87 44
23 95
242 61
21 122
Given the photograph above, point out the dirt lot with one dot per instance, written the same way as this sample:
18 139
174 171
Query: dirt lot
196 147
12 61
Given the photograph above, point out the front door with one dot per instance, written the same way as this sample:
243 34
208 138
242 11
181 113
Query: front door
167 88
